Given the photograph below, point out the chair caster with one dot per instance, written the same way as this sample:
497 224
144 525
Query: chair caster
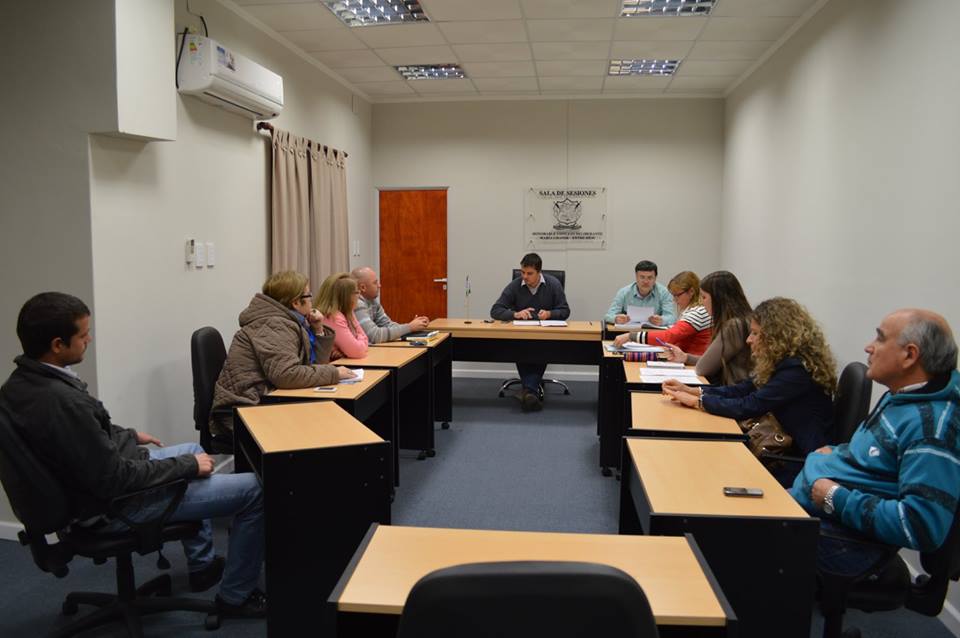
606 471
422 455
446 426
566 392
212 622
69 608
431 453
500 394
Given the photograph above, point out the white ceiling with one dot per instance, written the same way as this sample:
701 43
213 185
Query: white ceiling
514 48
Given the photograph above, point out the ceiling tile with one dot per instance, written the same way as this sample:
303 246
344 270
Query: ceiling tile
481 32
325 39
347 59
635 83
294 17
571 50
385 88
768 8
536 9
492 52
745 28
453 10
516 69
370 74
571 84
505 84
730 50
664 28
703 82
596 68
433 87
400 35
570 30
663 50
712 67
417 55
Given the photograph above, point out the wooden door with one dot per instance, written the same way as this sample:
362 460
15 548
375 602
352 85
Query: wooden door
413 253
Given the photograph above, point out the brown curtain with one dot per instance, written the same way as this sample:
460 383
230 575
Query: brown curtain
309 202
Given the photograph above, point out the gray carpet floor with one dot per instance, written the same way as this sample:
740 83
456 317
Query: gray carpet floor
496 468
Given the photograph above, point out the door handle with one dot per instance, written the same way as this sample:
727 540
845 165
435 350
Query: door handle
441 280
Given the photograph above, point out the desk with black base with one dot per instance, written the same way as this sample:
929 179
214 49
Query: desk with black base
440 354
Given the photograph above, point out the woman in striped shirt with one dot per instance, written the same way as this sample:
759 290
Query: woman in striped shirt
692 331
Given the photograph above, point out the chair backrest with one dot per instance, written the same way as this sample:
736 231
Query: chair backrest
851 403
944 562
207 355
561 275
526 598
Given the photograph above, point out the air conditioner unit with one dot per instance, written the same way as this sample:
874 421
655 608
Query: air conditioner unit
215 74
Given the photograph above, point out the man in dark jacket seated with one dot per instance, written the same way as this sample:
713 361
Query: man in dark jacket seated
71 433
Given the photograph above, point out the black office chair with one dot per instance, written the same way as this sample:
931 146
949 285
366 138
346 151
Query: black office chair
888 586
207 355
40 503
527 598
561 277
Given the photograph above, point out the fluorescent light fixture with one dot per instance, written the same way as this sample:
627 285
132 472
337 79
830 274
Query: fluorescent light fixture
363 13
643 67
641 8
431 72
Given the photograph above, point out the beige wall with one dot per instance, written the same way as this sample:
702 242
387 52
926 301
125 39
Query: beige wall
660 160
841 172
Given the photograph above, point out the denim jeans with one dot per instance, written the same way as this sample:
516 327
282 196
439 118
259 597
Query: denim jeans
531 375
220 495
844 552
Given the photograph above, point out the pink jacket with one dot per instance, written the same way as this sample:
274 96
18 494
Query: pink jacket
347 343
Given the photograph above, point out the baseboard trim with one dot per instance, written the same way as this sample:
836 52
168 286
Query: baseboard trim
950 616
492 373
9 531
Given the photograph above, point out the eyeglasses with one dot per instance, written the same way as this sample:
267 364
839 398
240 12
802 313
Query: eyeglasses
677 295
305 296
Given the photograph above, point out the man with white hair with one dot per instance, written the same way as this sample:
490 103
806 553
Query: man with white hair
370 314
897 482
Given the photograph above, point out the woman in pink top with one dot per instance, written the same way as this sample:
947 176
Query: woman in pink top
336 299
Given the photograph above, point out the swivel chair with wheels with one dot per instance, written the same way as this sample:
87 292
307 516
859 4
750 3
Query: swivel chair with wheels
207 355
40 503
561 277
527 598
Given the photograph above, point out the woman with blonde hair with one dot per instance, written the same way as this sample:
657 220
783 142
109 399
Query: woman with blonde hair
282 343
692 331
794 377
337 299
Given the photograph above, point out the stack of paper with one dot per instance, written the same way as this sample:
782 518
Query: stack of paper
356 379
633 346
537 322
687 376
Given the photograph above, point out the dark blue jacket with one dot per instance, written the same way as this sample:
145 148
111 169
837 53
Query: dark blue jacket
801 406
516 296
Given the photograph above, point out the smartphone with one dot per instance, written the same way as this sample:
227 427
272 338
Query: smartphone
325 388
753 492
488 321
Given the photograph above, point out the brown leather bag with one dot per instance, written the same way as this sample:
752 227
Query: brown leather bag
766 435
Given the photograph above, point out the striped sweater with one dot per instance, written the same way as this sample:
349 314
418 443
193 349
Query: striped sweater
375 322
900 473
691 333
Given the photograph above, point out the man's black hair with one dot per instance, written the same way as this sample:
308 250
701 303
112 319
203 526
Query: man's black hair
45 317
532 260
646 266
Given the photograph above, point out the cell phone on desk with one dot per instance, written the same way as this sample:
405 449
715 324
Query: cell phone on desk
488 321
750 492
325 388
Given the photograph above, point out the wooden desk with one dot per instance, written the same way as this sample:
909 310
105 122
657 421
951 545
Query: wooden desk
610 409
412 392
325 480
440 353
369 401
633 382
501 341
371 594
656 415
762 550
611 330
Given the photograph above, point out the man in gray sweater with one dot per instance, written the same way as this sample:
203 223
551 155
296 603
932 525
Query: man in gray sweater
370 314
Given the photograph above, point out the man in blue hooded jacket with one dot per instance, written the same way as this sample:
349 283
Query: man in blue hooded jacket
897 482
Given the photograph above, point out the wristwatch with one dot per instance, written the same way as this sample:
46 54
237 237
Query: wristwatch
828 500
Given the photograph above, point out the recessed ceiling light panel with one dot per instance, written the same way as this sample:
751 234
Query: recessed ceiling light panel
364 13
431 72
643 67
641 8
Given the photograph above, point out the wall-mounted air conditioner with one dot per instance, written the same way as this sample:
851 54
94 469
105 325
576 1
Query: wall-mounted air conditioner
215 74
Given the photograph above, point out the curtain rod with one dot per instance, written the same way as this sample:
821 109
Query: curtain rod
267 126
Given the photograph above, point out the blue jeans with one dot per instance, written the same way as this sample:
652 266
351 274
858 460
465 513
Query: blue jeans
844 552
220 495
531 375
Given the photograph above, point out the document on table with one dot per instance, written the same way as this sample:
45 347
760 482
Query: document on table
537 322
687 376
665 364
356 379
633 346
639 318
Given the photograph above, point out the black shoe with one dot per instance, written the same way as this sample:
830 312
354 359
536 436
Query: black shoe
255 606
529 401
209 576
